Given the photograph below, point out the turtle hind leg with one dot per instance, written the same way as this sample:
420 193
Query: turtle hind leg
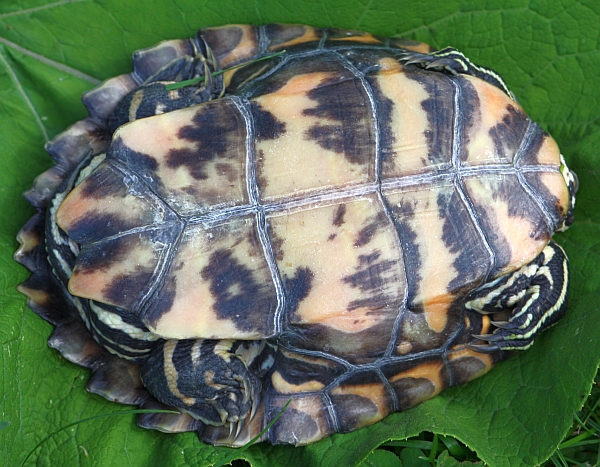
454 62
535 295
215 381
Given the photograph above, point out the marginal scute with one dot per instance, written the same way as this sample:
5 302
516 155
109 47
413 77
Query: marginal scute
304 421
101 101
146 62
467 364
359 401
281 36
232 44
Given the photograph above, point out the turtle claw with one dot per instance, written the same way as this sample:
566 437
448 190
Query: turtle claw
504 325
485 348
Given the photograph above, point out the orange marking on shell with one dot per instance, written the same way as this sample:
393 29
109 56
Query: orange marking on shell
494 105
37 296
301 84
421 48
389 65
431 371
374 392
309 35
436 311
283 387
465 352
246 49
73 208
363 38
549 153
555 183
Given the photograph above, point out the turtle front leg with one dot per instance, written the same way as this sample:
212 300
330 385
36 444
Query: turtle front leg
215 381
536 296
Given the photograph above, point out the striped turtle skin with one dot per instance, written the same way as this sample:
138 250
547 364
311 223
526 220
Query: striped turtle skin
354 224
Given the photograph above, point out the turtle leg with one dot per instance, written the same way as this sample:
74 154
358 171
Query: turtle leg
454 62
215 381
535 294
155 96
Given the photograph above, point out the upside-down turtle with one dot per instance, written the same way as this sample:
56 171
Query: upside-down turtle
355 224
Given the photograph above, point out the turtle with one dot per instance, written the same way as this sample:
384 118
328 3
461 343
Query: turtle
321 225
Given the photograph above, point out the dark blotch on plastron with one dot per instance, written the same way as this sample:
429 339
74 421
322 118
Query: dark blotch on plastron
338 215
461 237
529 153
520 205
352 409
100 257
349 129
297 287
366 233
103 182
266 126
249 304
94 226
357 347
125 289
371 275
387 140
161 301
508 134
439 107
468 113
552 206
137 161
412 257
228 170
212 130
415 330
142 165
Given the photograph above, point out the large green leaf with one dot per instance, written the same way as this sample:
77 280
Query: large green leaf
51 51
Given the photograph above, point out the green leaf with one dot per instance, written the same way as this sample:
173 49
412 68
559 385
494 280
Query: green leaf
52 50
381 458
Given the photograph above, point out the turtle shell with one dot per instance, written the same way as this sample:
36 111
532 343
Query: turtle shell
337 203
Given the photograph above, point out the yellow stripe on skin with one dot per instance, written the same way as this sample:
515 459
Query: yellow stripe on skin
283 387
171 374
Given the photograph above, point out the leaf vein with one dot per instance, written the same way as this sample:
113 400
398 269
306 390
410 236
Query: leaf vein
25 97
59 66
39 8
